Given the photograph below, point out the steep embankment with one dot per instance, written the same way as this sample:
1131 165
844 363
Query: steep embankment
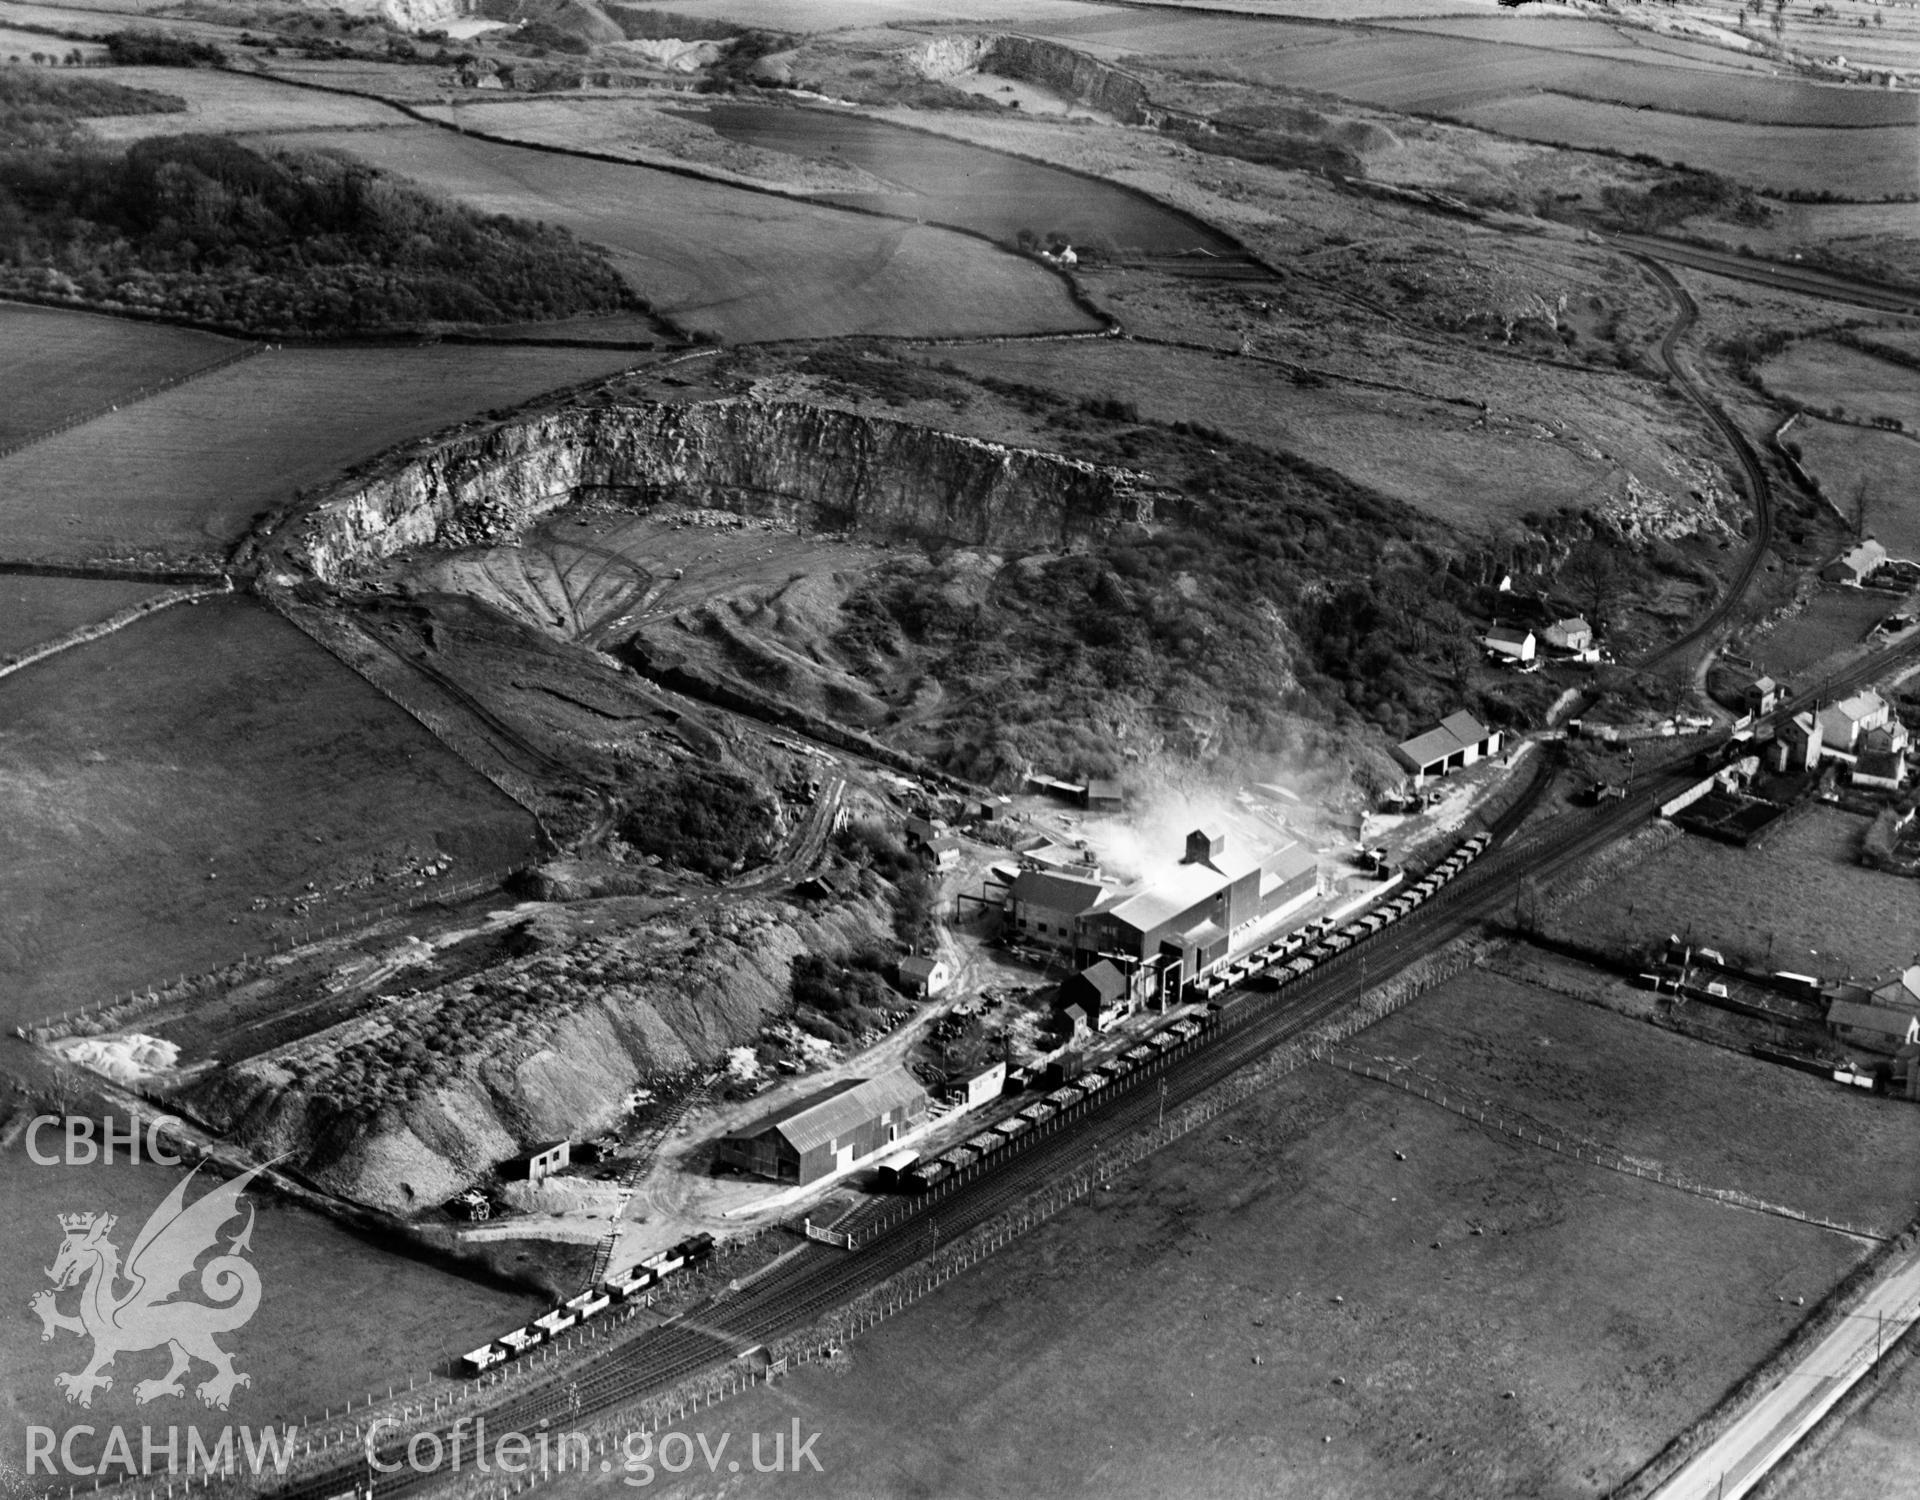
812 466
1051 66
405 1105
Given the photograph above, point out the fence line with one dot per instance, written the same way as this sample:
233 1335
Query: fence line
141 393
117 621
1532 1133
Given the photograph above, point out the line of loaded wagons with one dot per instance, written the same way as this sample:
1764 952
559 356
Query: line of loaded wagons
1278 963
909 1172
635 1282
1298 953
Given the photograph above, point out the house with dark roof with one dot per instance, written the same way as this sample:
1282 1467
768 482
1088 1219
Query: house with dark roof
925 977
829 1131
1797 744
1043 907
1880 770
1459 740
1104 993
1570 634
1872 1028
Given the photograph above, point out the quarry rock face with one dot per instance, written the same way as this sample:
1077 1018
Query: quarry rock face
1056 68
810 466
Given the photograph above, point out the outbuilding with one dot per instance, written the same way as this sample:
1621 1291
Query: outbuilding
1460 740
1762 696
829 1131
924 978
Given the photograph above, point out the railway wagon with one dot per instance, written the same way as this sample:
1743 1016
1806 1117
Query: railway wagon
986 1142
483 1358
589 1304
1065 1098
521 1340
1038 1112
959 1158
1140 1054
664 1264
555 1323
1012 1128
893 1171
629 1284
926 1174
1093 1080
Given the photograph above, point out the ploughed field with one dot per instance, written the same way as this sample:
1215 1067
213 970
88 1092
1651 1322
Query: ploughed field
1280 1304
739 265
189 469
338 1316
168 792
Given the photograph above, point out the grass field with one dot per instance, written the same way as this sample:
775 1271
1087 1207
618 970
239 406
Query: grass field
1444 462
153 784
1277 1306
225 103
841 15
1832 377
56 364
189 469
321 1334
35 610
1835 619
19 46
1474 469
1804 902
1841 457
745 266
1872 1456
1861 164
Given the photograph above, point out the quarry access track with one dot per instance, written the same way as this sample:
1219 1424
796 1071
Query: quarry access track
1758 489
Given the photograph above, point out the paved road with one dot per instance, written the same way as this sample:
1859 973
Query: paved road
1768 1430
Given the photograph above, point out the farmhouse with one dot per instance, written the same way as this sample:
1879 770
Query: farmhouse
1856 564
1510 641
1843 724
1797 745
1875 1028
1460 740
1762 696
925 977
1571 634
1043 907
824 1134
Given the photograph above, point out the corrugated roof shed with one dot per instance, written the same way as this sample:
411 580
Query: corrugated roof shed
1464 727
838 1110
919 969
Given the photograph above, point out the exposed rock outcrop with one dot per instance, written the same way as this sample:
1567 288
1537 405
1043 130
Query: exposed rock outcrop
403 1106
815 467
1061 70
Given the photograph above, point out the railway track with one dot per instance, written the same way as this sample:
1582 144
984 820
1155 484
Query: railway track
819 1279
